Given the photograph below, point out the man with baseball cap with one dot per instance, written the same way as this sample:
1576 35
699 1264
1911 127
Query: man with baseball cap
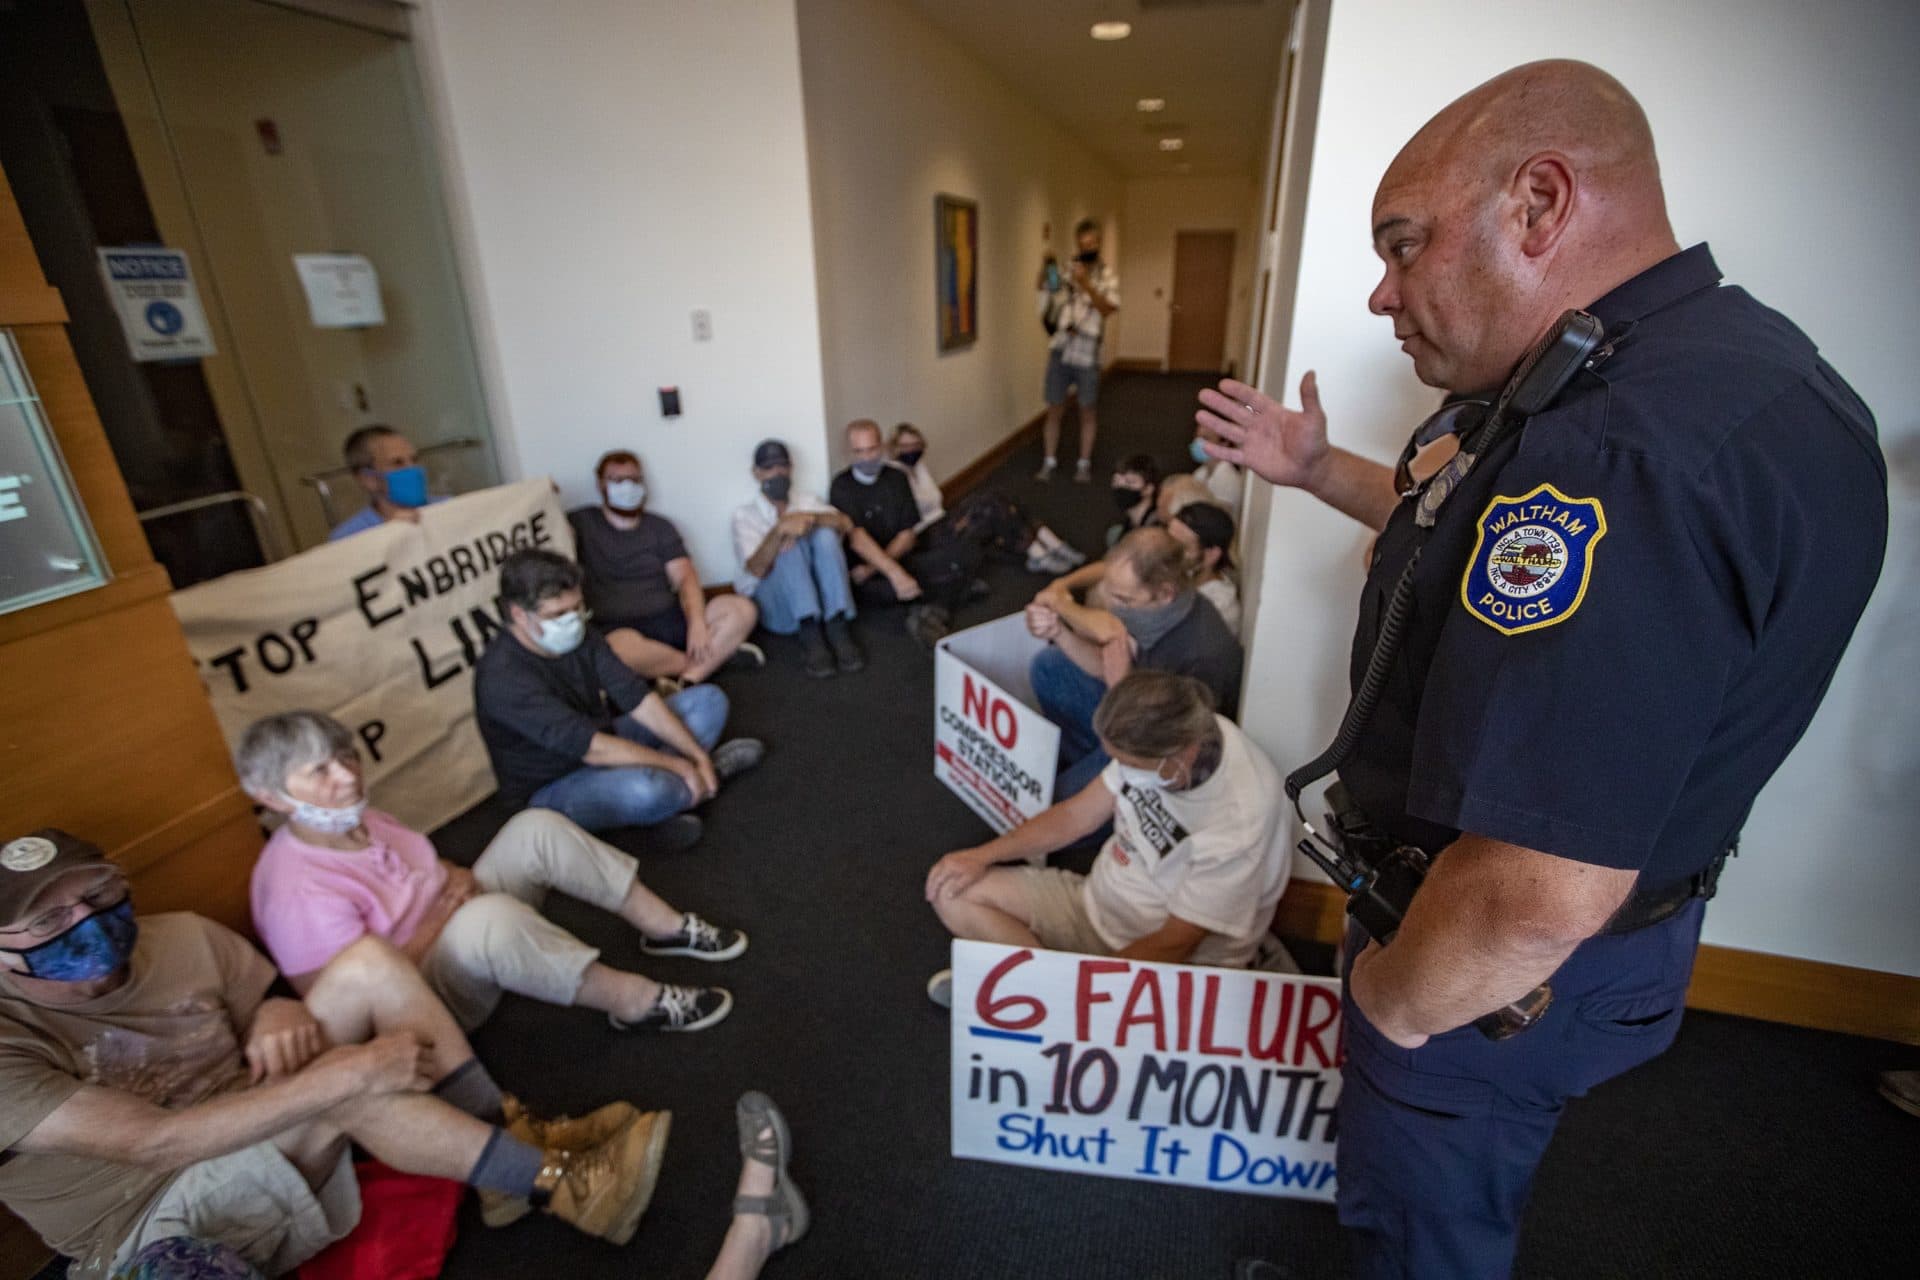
794 564
150 1086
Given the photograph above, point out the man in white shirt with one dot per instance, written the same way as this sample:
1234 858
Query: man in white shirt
1196 864
794 566
1075 306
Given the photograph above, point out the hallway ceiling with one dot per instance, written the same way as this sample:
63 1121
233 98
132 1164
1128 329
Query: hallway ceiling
1213 61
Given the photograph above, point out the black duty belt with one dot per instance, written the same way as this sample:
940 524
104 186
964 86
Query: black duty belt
1646 907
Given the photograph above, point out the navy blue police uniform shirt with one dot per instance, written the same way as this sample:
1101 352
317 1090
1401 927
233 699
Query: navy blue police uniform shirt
538 713
1627 614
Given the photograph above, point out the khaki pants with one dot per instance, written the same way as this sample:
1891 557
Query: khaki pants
256 1203
498 940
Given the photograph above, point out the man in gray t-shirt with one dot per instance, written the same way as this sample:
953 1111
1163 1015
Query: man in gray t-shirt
642 589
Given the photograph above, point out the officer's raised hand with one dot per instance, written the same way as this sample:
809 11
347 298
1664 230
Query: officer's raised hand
1282 445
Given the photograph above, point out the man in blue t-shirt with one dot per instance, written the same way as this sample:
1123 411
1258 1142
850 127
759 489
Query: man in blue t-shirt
387 468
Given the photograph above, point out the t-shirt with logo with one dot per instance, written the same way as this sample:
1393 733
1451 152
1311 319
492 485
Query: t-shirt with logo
1215 855
171 1034
626 569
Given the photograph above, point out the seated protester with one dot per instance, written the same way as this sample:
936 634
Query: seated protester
1136 488
1153 618
1177 492
988 517
793 566
151 1086
1196 864
878 498
1205 534
387 468
642 589
337 871
1226 482
569 727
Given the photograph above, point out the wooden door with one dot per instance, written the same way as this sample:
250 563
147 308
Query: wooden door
1202 291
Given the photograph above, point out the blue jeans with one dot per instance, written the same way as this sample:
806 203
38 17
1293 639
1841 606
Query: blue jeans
598 797
1438 1145
1068 696
808 580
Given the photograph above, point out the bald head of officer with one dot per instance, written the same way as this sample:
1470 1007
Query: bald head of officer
1537 192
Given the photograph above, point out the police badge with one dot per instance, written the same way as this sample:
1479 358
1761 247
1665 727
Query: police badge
1532 559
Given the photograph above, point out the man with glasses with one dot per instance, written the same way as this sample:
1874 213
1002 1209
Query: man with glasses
152 1086
570 727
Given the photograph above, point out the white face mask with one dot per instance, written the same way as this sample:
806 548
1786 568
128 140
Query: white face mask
626 495
562 634
1142 779
332 822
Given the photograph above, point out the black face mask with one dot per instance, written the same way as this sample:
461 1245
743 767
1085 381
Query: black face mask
1088 256
776 487
911 458
1127 499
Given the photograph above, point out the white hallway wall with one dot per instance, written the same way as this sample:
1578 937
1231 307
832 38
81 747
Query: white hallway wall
896 114
1156 211
1787 135
617 164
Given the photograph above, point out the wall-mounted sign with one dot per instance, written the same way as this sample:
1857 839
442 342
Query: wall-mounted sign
159 307
343 290
46 543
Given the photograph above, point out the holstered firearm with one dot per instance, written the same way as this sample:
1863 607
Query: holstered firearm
1380 876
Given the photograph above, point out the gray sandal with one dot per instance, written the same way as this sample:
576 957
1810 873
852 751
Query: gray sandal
786 1209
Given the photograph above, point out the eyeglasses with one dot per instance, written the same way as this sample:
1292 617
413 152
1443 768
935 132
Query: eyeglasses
101 898
1449 420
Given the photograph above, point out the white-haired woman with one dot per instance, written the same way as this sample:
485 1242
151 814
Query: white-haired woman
337 870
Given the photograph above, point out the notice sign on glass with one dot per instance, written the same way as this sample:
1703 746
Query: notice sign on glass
1219 1078
159 308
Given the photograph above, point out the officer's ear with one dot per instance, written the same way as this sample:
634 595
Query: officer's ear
1543 191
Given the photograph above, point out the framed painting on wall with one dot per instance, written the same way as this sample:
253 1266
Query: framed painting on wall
956 270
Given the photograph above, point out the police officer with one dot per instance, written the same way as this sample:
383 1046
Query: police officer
1623 618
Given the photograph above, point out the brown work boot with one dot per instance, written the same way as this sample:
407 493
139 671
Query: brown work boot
499 1209
603 1191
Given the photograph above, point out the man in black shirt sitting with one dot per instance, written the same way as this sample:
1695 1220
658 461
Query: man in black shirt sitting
569 728
641 587
878 497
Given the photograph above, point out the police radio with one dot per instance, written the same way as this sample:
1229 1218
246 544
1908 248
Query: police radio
1380 875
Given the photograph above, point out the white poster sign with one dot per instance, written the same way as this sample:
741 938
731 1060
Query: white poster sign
1218 1078
381 631
991 745
343 290
159 308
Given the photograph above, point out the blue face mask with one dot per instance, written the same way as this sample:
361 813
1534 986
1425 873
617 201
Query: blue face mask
407 486
1197 450
91 949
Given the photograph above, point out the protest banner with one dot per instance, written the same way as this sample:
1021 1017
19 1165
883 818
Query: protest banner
1219 1078
991 745
380 631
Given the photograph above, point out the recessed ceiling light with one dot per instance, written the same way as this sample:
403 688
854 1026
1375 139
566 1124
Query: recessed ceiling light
1112 30
1172 144
1152 104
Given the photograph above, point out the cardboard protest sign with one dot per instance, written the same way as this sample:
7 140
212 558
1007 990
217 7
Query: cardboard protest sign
1220 1078
380 631
991 745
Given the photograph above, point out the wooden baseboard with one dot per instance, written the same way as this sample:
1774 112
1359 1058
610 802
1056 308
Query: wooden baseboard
968 477
1802 993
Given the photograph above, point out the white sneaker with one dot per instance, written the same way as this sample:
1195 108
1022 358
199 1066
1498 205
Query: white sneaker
1045 473
940 988
1083 471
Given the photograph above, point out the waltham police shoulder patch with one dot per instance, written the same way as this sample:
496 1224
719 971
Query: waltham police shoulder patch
1532 559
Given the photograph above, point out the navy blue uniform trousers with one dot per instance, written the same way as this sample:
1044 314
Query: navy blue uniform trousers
1438 1145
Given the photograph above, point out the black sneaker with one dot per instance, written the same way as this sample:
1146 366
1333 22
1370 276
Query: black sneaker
698 939
847 654
737 755
928 624
681 1009
819 658
747 656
